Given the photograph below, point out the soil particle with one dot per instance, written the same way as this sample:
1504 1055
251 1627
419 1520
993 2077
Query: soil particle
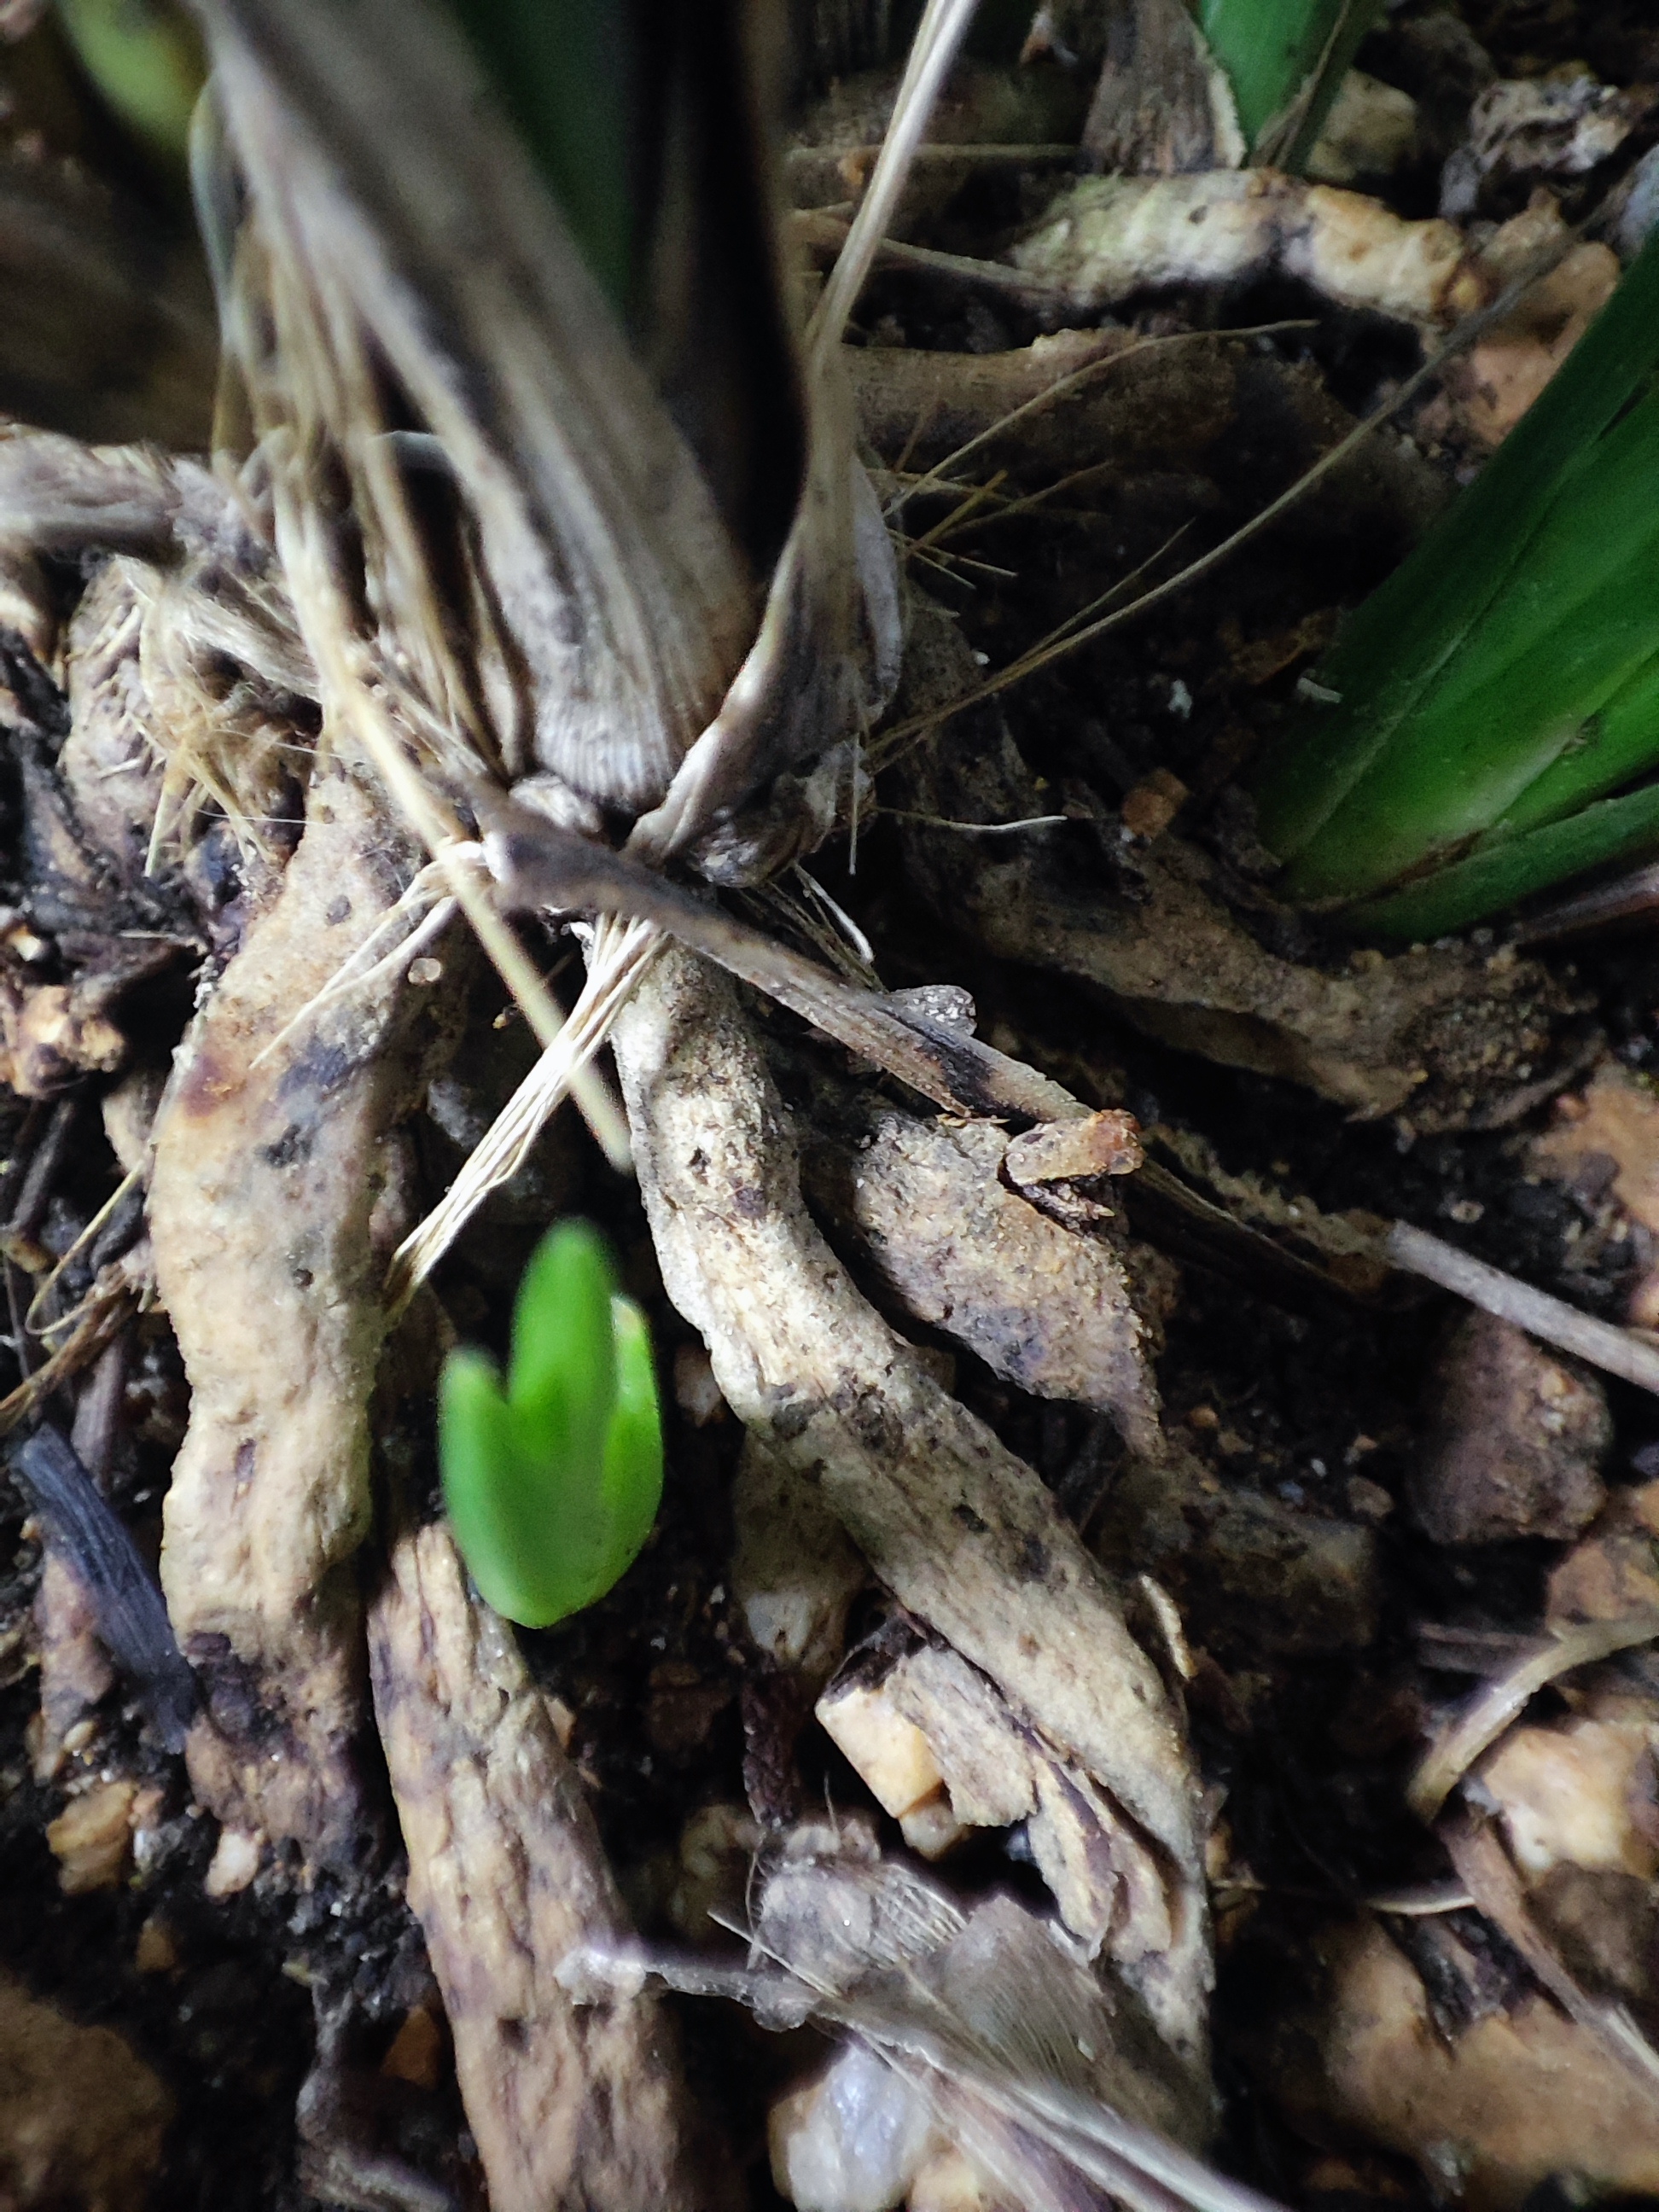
1614 1570
81 2117
1489 2112
1515 1441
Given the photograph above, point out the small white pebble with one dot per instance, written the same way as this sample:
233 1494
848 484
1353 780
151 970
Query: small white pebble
853 2139
235 1862
697 1393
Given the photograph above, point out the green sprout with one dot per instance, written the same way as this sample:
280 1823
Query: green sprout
145 58
552 1484
1490 724
1284 59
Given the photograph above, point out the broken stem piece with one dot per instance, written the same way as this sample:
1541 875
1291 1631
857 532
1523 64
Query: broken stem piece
540 867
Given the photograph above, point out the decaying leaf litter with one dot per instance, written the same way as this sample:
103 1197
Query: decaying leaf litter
1118 1510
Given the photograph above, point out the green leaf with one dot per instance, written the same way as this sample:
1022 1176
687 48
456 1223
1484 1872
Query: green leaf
1508 868
567 73
631 1485
553 1483
496 1513
1284 59
561 1378
1506 674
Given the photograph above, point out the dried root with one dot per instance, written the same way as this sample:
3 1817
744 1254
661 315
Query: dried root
1451 1038
506 1874
269 1167
962 1532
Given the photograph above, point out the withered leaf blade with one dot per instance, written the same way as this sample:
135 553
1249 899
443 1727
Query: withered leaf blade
826 663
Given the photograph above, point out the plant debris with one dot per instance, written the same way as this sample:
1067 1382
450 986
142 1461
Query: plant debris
1150 1636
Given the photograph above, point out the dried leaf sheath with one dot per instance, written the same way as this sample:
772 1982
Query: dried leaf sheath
624 600
582 593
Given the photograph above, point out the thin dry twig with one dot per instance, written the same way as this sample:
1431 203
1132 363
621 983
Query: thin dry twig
620 954
1618 1350
1485 1718
114 1298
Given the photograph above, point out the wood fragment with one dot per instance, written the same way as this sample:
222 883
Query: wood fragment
1106 1144
91 1838
89 1535
1515 1439
568 2107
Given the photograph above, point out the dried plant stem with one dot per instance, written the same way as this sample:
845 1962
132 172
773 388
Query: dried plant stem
364 968
1618 1350
620 955
429 816
938 478
118 1294
940 32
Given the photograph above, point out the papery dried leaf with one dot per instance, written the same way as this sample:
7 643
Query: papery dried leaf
1031 2064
